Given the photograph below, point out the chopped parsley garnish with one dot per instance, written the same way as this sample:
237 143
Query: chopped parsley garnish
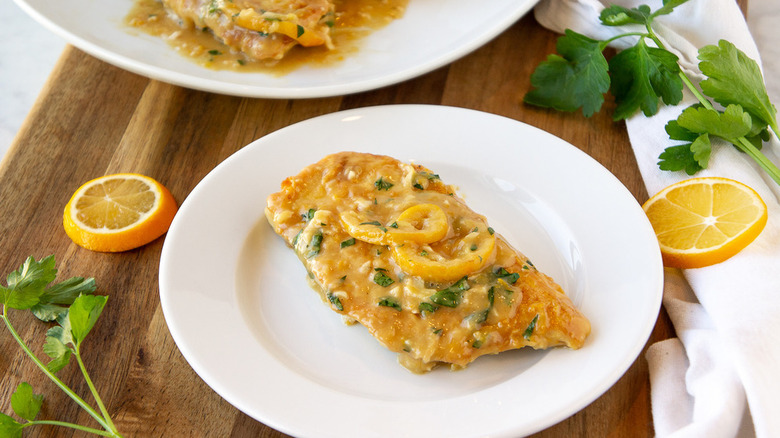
481 316
348 242
451 296
474 247
390 302
428 175
509 277
335 301
382 279
308 215
423 253
300 30
381 184
531 326
427 307
214 52
491 231
315 245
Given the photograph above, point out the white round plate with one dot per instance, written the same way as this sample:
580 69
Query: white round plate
429 35
238 305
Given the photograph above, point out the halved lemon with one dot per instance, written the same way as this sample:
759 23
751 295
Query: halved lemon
118 212
703 221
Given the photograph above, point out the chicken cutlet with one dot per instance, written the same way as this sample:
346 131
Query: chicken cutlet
392 247
261 29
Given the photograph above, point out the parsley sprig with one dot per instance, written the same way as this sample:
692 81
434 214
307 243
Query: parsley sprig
646 73
75 309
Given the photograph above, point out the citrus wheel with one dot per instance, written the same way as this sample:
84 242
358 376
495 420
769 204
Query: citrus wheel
421 223
466 252
118 212
703 221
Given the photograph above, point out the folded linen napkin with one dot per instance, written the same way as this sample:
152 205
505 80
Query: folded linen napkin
726 359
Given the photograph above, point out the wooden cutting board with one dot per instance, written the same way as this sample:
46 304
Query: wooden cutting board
94 119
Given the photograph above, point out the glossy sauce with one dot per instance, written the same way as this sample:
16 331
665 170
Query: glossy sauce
416 310
354 20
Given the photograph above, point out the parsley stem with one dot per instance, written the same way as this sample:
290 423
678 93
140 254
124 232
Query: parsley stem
607 42
747 147
51 375
741 143
70 425
111 427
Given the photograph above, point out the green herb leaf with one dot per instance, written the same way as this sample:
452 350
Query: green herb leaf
10 428
381 184
382 279
51 302
509 277
25 403
335 301
83 315
677 132
309 215
482 316
67 291
48 312
735 79
682 157
315 245
451 296
701 149
728 125
642 75
390 302
349 242
426 307
618 15
576 79
60 354
28 283
531 326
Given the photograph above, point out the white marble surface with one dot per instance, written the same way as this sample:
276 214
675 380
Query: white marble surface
29 51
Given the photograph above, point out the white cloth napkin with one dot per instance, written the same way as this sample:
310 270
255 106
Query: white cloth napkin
723 370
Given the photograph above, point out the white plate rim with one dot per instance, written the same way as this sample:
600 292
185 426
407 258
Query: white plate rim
648 295
384 74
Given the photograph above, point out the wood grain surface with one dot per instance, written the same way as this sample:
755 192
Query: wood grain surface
94 119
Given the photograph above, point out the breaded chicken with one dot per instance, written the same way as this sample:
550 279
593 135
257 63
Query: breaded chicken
390 246
261 29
